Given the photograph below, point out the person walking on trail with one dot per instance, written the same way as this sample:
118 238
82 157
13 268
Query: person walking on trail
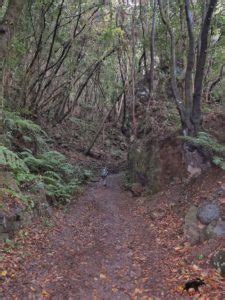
104 175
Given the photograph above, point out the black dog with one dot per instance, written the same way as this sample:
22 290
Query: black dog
194 284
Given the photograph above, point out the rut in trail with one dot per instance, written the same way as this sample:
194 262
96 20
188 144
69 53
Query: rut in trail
103 248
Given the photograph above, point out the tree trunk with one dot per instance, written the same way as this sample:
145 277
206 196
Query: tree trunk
8 23
152 49
190 65
200 67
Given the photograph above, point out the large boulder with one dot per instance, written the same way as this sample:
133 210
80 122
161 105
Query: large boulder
208 212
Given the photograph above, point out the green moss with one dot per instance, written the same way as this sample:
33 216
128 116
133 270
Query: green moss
208 143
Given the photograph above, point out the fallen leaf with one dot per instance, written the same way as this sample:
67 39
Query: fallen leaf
196 268
137 291
180 289
44 293
3 273
178 248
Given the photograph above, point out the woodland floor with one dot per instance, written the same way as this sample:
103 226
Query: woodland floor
106 246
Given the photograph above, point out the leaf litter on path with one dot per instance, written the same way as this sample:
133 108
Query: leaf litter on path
104 247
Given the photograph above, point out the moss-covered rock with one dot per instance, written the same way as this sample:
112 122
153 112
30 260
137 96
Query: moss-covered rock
155 163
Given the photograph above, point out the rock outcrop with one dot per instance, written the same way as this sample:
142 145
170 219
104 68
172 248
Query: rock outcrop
155 163
206 221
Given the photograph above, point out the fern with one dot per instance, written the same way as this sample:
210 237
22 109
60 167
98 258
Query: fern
13 121
52 174
33 163
12 160
49 170
219 161
30 132
59 178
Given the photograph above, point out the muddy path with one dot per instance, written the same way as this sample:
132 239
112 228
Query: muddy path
104 247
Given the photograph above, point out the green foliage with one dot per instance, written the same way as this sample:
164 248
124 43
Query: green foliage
111 33
3 9
219 161
10 159
20 172
14 121
205 141
49 169
59 178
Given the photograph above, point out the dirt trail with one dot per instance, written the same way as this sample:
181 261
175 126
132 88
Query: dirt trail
103 248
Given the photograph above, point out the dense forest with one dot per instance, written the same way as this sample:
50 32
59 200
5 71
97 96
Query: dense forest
112 149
